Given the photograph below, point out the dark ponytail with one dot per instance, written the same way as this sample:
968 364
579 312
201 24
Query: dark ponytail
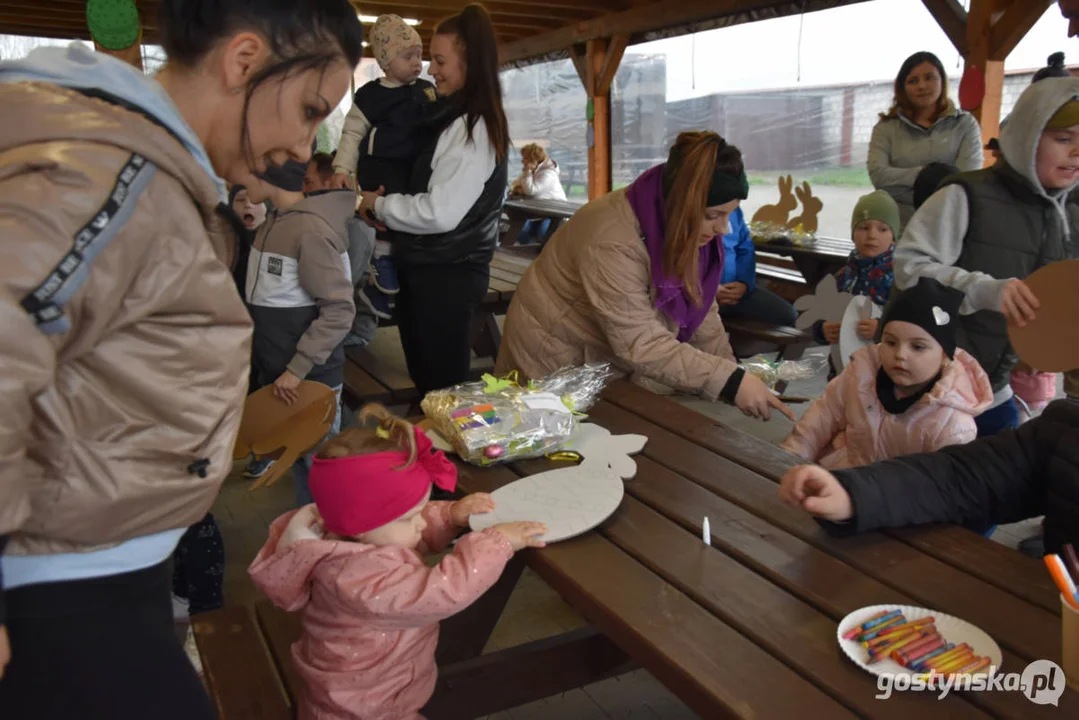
481 97
1054 69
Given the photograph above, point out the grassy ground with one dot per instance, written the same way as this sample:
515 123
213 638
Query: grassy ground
842 176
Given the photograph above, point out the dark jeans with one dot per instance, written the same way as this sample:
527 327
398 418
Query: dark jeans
198 572
762 305
998 419
434 316
102 648
534 231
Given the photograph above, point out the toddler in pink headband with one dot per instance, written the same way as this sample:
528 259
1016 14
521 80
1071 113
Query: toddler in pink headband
353 563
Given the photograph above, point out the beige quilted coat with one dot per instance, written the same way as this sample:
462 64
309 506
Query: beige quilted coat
588 298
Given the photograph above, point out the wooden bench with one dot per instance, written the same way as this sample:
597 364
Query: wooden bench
247 661
813 260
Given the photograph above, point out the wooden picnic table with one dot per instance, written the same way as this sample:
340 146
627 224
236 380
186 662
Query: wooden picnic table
747 626
813 259
520 209
744 628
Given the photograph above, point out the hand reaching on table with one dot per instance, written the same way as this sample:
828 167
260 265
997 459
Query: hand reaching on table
474 504
816 491
756 400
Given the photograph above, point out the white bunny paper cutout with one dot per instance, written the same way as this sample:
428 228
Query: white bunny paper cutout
570 500
599 449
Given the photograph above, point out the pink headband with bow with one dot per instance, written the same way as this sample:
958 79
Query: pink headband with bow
363 492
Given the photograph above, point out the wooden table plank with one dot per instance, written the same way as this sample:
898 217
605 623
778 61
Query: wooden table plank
710 666
813 576
992 562
504 289
505 275
517 266
239 672
387 370
360 387
788 628
715 671
1025 629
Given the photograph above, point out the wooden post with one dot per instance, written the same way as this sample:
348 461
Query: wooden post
985 36
602 58
979 30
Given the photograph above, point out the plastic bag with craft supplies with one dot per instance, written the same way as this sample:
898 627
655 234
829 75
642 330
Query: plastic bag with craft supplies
770 372
499 420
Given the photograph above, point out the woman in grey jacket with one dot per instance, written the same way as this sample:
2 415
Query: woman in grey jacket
922 127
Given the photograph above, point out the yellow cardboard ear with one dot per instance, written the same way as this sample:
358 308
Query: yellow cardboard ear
1051 342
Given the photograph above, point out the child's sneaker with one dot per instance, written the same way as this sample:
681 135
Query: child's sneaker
257 468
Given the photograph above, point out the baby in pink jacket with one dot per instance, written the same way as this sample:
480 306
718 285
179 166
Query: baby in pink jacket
914 392
353 564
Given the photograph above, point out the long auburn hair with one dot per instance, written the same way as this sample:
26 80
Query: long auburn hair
365 441
693 160
481 97
901 102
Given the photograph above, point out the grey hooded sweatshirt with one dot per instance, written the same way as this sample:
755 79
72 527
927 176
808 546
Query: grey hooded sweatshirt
900 148
986 227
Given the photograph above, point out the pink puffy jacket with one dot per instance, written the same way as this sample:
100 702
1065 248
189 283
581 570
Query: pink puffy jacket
371 614
847 426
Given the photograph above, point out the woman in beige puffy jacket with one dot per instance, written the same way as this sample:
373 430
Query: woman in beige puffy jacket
124 344
631 279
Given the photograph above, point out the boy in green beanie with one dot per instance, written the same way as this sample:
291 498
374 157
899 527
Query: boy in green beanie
874 225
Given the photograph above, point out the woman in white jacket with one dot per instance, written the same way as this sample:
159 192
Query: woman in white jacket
538 181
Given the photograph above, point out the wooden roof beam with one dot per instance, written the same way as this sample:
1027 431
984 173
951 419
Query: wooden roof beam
952 19
447 8
1013 26
644 18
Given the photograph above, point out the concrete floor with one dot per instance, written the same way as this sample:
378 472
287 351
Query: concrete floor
534 611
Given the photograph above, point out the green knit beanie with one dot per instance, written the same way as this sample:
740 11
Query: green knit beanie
113 24
877 205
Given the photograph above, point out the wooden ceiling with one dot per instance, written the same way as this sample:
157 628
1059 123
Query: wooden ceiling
525 28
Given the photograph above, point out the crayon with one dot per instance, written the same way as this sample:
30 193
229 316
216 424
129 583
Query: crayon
904 627
857 629
876 631
974 666
957 662
942 660
875 621
900 632
1062 579
912 652
887 649
919 664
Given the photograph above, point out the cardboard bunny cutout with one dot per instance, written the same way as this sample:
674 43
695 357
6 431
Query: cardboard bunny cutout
571 500
811 207
271 428
777 214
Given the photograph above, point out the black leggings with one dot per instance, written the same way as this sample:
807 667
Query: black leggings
99 648
198 573
434 316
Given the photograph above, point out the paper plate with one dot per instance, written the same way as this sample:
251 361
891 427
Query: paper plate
860 308
570 501
951 628
1051 342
